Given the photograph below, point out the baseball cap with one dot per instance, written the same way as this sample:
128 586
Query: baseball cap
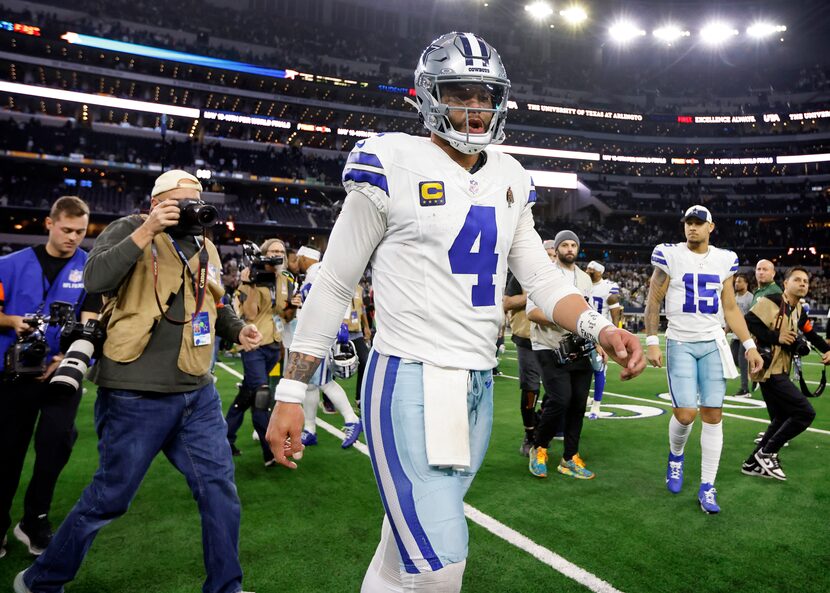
175 178
699 212
595 265
548 244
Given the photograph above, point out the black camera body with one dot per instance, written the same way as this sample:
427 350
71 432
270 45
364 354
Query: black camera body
571 349
799 347
82 342
259 274
194 217
26 357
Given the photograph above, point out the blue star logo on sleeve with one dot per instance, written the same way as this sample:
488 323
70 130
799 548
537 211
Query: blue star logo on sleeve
432 193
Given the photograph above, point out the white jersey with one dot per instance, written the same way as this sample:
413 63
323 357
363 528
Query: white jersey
693 300
599 296
440 270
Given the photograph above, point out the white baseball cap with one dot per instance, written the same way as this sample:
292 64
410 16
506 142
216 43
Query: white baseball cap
699 212
175 178
595 265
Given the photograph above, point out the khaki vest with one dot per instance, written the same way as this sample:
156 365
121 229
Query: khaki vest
551 336
133 313
266 309
520 324
356 311
767 311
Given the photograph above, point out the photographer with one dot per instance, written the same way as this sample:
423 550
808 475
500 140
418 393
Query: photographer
775 321
30 281
155 391
565 363
264 294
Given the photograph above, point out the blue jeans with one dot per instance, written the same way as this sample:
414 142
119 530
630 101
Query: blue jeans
256 367
132 429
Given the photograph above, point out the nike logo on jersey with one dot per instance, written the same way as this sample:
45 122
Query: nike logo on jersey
488 383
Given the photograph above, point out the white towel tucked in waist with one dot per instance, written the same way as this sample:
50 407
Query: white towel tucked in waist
729 370
446 421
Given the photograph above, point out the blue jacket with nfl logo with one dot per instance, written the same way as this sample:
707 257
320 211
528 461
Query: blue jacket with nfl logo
26 291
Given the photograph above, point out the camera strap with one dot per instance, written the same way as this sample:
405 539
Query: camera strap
198 280
803 384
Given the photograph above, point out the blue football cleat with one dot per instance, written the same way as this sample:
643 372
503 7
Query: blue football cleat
674 473
352 430
308 439
708 497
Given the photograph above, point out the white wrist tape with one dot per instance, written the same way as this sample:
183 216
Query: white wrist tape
290 391
749 344
590 323
652 341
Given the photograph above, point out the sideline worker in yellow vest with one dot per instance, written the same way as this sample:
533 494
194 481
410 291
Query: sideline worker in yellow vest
155 390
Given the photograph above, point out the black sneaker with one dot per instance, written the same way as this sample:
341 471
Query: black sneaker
751 467
771 465
235 450
35 534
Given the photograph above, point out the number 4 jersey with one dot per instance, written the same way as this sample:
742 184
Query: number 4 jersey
439 271
693 300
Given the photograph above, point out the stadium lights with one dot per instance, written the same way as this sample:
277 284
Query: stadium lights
761 30
539 10
92 99
670 33
624 31
574 15
717 32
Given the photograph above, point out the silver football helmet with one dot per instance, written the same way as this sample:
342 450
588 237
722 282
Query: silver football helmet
344 359
461 59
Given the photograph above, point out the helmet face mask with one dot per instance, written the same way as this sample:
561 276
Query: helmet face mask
344 359
460 78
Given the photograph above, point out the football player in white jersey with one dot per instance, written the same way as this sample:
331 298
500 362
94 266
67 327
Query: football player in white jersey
695 278
441 218
605 299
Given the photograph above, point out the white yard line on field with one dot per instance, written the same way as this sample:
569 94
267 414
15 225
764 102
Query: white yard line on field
500 530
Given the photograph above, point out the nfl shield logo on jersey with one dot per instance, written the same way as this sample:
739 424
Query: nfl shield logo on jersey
473 186
75 276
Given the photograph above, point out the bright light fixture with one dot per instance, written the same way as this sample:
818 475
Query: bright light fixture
574 15
539 10
717 32
624 31
761 30
670 33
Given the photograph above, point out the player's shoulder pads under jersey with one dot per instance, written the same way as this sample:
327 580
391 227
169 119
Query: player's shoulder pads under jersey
730 262
512 168
661 256
369 166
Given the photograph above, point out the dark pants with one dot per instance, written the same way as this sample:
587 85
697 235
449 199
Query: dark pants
132 429
529 386
790 412
739 355
362 351
566 393
33 408
256 365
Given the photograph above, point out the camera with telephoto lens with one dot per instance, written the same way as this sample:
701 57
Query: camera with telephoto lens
571 349
26 357
81 342
195 216
253 259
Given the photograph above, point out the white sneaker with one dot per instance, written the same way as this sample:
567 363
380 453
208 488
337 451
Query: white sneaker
770 464
19 585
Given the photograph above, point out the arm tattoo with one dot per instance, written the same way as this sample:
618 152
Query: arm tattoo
301 367
656 293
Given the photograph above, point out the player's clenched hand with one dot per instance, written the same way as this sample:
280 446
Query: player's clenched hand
654 356
756 363
249 337
284 433
624 348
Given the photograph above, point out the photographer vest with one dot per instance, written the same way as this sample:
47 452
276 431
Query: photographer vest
26 291
768 312
520 324
549 337
355 311
133 313
270 308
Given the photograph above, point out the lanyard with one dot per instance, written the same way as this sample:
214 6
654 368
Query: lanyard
199 286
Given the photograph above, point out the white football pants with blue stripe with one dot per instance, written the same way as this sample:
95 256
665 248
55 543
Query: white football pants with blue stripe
424 538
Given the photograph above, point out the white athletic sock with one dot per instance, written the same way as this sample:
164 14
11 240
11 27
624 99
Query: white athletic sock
340 400
384 572
312 398
711 444
678 435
